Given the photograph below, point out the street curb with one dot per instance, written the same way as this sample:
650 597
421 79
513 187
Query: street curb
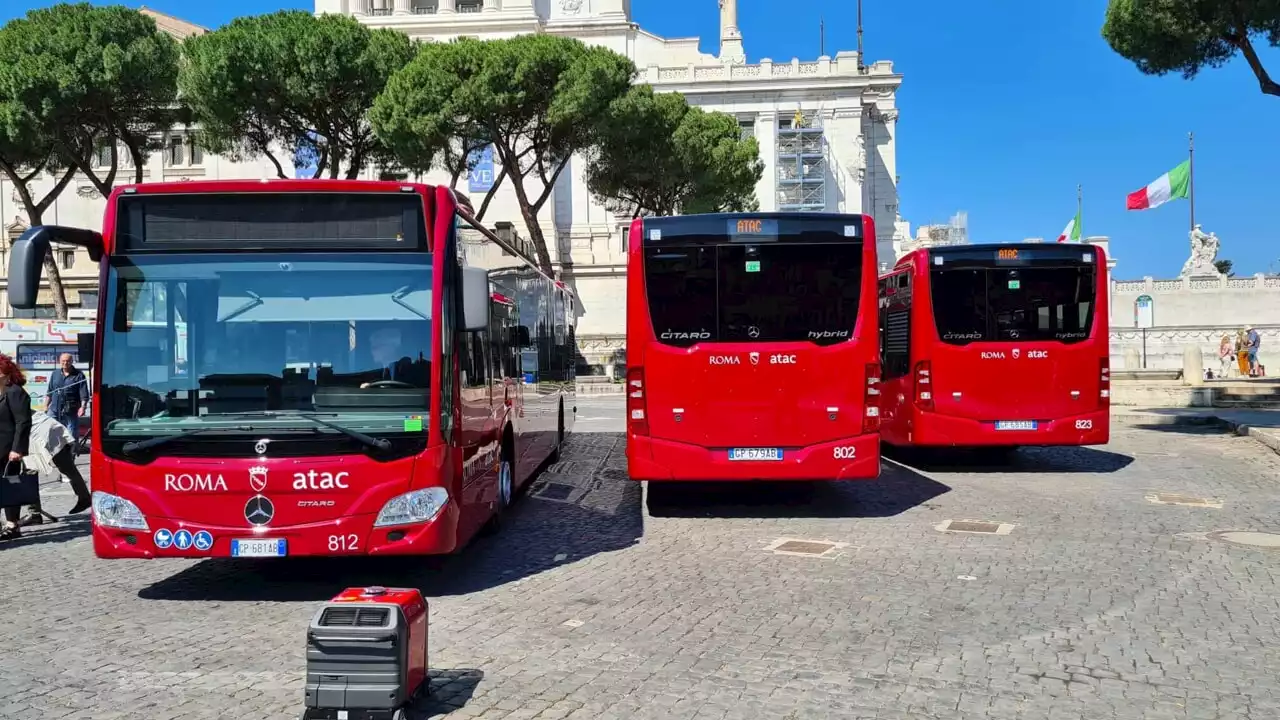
1261 435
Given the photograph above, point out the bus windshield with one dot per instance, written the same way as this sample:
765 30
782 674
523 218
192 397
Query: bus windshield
1013 304
202 340
721 292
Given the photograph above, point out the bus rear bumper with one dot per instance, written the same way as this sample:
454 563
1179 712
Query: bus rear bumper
935 430
347 536
851 458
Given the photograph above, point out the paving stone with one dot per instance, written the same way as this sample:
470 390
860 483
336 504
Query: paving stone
1100 605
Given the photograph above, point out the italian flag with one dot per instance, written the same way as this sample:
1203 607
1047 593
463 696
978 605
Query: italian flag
1071 233
1172 185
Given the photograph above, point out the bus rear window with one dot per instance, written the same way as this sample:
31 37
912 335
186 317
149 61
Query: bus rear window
747 293
1013 304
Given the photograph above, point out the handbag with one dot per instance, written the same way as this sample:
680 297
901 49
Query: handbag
19 488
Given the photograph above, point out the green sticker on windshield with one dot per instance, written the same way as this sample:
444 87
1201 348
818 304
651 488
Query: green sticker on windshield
413 423
753 266
1014 284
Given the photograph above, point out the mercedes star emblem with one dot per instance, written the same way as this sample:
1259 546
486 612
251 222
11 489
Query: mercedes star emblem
753 332
261 446
259 511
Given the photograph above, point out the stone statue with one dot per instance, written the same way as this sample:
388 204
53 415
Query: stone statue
1204 251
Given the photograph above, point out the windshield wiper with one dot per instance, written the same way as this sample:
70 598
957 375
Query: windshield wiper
132 447
369 440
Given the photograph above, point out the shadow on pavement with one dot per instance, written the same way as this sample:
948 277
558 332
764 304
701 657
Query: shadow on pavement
450 691
1031 460
71 527
897 490
571 510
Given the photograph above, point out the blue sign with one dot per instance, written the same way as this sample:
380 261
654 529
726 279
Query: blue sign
482 176
163 539
203 541
182 539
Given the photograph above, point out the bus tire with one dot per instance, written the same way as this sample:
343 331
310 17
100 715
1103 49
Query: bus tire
555 452
506 481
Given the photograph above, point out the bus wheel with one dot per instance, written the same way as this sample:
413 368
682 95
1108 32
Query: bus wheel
555 452
506 484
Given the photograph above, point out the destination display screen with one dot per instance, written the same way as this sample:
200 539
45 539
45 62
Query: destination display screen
177 222
1013 255
752 228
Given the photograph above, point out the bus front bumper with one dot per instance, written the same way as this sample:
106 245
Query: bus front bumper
851 458
931 429
348 536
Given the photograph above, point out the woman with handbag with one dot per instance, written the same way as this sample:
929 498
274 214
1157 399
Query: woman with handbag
15 433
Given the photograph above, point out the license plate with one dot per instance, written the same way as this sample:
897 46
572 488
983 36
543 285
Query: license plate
755 453
258 548
1016 424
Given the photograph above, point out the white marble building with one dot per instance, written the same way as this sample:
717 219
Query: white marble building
842 160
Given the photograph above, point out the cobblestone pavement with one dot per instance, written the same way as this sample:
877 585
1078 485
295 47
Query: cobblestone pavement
603 604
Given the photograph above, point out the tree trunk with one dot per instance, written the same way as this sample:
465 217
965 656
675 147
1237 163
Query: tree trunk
530 215
35 217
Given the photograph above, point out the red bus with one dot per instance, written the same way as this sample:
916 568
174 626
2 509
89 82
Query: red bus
996 346
310 367
751 348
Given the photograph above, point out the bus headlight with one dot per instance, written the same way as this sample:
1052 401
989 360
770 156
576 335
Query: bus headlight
114 511
413 507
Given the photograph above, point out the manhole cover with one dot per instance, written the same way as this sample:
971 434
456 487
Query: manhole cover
1249 538
1183 500
555 491
805 548
975 526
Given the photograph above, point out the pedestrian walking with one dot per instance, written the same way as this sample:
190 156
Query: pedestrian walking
68 394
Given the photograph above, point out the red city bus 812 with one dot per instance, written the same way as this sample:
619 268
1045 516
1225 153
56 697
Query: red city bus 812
310 367
996 346
751 348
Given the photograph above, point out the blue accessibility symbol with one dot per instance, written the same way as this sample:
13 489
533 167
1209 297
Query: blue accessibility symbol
182 539
203 541
163 539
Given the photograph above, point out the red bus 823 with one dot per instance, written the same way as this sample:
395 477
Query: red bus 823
996 346
751 348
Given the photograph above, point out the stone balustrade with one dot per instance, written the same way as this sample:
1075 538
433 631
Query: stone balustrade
1259 281
844 65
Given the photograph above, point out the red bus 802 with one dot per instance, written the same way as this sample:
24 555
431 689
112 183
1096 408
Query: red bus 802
751 348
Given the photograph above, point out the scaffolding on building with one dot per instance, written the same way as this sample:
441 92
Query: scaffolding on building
954 232
802 164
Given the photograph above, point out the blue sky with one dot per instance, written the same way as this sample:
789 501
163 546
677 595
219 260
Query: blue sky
1006 107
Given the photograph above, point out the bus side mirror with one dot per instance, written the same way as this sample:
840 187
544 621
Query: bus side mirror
84 348
475 299
26 258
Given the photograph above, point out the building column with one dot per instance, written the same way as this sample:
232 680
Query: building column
848 158
767 139
403 7
492 5
447 6
359 7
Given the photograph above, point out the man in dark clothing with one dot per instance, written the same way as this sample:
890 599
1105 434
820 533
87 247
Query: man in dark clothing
68 395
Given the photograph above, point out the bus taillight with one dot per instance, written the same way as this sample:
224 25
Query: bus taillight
1104 382
924 385
871 400
637 419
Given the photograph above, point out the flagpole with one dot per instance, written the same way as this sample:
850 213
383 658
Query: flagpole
1191 171
1080 209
